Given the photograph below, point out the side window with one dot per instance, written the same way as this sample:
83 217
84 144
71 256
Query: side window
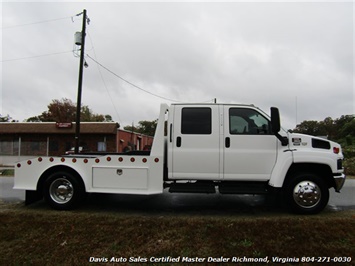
247 121
196 120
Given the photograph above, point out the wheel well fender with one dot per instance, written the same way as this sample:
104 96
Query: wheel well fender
322 170
57 168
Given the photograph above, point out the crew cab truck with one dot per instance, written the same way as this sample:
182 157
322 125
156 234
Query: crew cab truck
198 148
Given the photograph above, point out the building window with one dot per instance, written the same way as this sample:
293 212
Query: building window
196 121
101 146
53 145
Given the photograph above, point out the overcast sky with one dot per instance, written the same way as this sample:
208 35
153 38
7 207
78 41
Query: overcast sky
295 56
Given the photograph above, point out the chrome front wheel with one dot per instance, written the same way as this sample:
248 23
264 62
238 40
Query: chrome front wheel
307 194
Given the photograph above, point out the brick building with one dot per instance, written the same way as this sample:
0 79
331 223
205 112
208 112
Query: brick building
23 140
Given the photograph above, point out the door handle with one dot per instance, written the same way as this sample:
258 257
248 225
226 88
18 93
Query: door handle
171 132
228 142
178 142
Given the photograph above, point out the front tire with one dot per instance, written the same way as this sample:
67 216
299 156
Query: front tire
307 193
63 191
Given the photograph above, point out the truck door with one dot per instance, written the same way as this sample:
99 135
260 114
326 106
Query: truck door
194 148
250 148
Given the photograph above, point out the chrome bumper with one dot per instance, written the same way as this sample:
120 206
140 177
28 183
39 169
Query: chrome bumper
339 181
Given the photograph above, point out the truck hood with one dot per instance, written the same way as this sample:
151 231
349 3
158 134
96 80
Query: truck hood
303 141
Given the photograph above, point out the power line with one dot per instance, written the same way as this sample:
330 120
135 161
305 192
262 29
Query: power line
130 83
103 81
35 56
33 23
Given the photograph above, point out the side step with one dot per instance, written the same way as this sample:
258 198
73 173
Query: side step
243 188
196 187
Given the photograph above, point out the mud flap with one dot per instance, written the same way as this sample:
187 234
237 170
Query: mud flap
32 196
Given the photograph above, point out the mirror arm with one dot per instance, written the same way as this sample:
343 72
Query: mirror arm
284 140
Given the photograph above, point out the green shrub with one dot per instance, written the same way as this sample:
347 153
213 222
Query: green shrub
349 165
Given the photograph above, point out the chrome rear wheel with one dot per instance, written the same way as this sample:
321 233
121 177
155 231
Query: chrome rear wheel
61 190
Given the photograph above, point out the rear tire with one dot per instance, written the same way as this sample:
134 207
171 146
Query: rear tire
63 191
307 193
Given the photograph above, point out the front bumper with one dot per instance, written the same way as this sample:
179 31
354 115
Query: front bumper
339 181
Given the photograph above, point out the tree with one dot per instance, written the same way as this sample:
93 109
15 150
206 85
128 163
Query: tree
311 127
7 118
64 110
144 127
340 128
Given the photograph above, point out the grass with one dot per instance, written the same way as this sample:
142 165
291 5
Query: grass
32 236
7 172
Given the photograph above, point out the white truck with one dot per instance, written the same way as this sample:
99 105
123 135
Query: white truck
198 148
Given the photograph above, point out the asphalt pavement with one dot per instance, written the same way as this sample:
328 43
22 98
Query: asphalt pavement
186 203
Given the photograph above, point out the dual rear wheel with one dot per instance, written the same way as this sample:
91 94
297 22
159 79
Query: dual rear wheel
63 191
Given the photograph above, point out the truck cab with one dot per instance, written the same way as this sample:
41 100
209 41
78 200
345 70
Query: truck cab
220 142
198 148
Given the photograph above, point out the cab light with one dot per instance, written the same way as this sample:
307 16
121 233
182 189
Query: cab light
29 162
120 159
156 160
132 159
144 160
74 160
51 159
97 160
18 165
108 159
40 159
62 160
86 160
336 150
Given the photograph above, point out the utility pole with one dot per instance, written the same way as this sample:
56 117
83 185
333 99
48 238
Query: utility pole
80 84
